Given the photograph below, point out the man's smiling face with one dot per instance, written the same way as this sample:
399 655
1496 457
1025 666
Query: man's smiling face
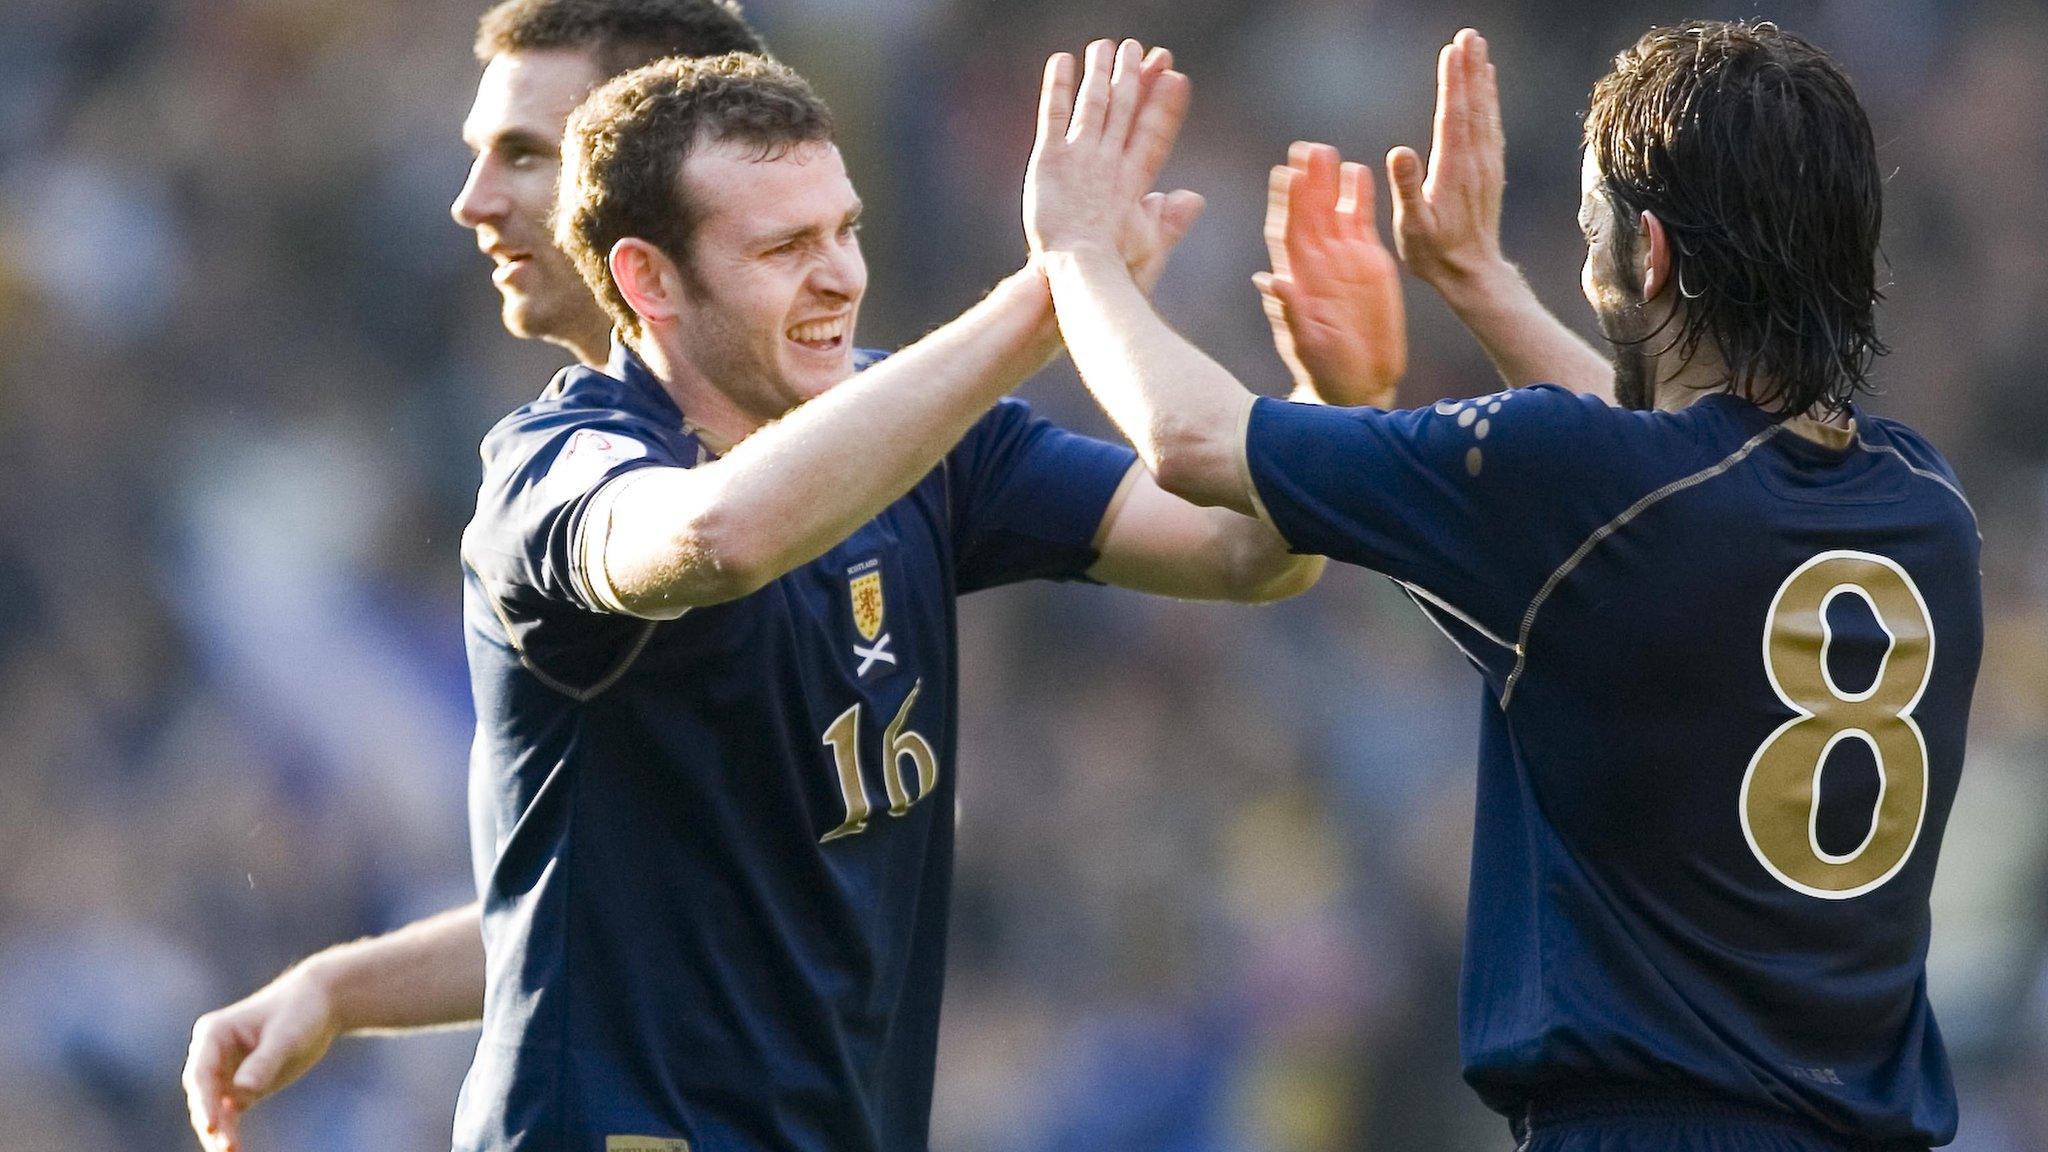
515 131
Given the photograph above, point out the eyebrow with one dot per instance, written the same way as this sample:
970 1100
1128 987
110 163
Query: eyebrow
512 138
778 239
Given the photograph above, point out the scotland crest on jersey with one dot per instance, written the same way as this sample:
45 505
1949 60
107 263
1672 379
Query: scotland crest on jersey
864 586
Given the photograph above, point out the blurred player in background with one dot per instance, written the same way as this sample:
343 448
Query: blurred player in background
1728 630
540 57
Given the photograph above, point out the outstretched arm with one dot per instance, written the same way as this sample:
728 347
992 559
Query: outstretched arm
1154 541
673 538
1178 407
1447 231
427 974
663 540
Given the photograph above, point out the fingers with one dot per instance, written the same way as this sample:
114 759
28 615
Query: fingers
258 1074
1279 212
209 1062
1447 127
1126 85
1158 125
1485 87
1056 98
1355 203
1158 62
1404 174
1091 107
1313 206
1481 100
1177 217
203 1079
228 1134
1278 294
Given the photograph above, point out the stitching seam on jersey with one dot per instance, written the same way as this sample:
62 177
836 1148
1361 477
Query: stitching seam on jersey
580 695
1608 529
1460 617
1439 625
1928 474
626 662
946 495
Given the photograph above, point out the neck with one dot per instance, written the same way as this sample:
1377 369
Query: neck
1681 382
1706 374
590 343
707 409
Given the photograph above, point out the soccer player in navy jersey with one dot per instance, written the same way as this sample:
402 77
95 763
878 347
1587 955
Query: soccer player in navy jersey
1727 630
709 601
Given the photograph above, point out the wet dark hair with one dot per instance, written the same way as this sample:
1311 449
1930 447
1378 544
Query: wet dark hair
623 33
1750 146
623 156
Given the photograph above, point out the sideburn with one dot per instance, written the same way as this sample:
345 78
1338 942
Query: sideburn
1628 330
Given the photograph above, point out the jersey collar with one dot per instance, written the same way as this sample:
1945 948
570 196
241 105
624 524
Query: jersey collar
625 366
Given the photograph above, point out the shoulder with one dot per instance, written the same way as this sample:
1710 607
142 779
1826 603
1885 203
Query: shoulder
1509 437
1915 453
582 413
1880 434
1007 422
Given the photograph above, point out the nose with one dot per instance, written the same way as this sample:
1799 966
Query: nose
481 199
842 271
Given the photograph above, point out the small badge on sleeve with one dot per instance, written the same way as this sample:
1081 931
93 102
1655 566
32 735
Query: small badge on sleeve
585 459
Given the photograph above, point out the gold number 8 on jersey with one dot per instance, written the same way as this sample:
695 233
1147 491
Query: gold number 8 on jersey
1781 791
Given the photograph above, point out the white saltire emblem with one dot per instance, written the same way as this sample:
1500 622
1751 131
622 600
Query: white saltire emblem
868 656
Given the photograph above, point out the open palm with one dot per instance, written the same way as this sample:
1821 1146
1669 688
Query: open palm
1334 293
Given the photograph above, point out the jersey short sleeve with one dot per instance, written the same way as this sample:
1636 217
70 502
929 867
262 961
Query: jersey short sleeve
1027 498
542 474
1470 503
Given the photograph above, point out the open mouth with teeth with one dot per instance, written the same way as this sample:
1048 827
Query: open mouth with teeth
826 335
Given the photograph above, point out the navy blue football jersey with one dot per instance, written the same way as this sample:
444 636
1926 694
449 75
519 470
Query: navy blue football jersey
1727 674
715 852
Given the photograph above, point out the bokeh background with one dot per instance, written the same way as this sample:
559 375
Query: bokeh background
1213 859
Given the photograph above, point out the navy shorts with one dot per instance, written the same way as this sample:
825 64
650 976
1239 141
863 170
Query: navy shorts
1678 1124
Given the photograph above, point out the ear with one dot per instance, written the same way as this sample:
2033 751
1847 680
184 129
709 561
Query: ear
1654 253
647 278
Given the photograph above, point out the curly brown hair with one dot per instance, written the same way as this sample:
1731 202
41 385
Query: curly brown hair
1749 145
622 161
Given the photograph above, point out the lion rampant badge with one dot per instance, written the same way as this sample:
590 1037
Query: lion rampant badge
867 603
864 585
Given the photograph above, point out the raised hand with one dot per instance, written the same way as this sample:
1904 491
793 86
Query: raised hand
1100 147
1334 294
1447 224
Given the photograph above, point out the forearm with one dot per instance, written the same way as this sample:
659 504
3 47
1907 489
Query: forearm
1178 407
429 973
802 484
1526 343
1258 565
1155 542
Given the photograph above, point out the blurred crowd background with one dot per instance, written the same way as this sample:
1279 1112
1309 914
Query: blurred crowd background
1212 861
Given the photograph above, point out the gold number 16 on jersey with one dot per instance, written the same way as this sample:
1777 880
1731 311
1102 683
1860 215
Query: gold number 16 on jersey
1780 803
843 738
